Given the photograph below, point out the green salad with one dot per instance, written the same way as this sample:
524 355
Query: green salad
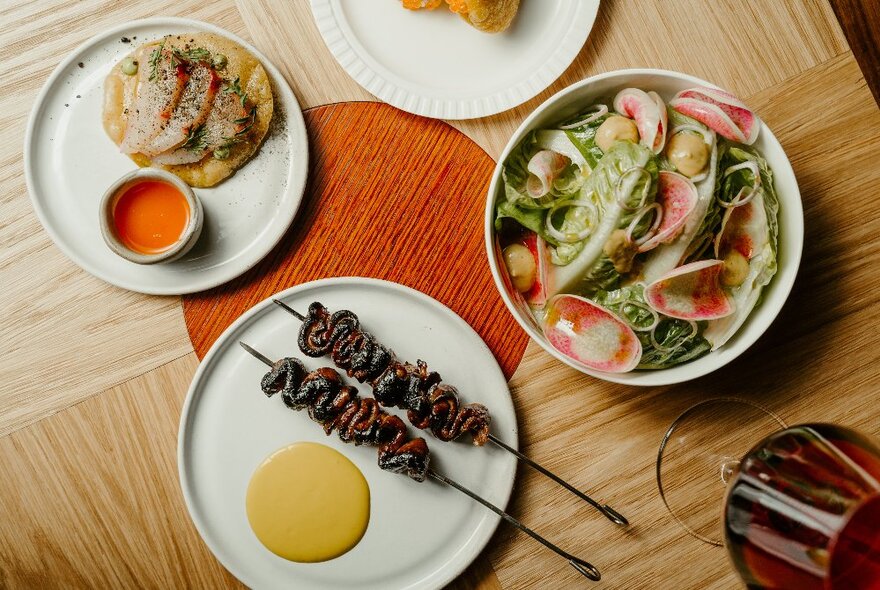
640 234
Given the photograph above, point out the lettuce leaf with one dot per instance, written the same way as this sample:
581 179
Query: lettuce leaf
584 138
674 336
515 174
582 267
764 262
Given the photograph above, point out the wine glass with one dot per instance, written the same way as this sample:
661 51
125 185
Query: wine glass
801 508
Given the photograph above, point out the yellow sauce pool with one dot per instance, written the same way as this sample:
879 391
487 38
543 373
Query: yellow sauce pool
308 503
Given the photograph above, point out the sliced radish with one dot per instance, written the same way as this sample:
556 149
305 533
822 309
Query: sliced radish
537 295
743 117
649 114
591 335
678 196
709 115
663 126
544 167
691 292
743 229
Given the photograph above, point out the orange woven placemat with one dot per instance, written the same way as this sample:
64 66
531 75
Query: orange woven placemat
392 196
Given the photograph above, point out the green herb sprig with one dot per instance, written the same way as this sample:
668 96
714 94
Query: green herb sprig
155 57
196 139
235 87
190 55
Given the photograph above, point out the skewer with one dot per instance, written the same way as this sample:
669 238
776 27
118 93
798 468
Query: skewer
583 567
606 510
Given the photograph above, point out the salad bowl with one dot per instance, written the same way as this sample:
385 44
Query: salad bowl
570 104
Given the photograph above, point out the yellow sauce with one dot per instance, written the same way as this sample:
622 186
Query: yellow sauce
308 503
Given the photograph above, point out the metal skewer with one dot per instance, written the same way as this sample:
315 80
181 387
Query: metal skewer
584 567
606 510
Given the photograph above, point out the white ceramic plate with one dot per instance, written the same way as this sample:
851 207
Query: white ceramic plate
576 97
421 535
69 162
432 63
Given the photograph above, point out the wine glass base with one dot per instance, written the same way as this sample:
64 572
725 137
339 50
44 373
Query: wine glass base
700 454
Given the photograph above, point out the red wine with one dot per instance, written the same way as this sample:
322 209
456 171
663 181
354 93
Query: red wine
803 512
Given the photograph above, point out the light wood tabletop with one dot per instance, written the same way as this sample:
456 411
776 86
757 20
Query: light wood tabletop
92 377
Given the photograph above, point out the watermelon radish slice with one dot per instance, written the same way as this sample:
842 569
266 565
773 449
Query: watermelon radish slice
544 167
663 126
709 115
537 295
743 229
591 335
747 121
677 196
649 113
691 292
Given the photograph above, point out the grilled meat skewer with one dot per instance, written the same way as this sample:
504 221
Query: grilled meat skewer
337 407
430 404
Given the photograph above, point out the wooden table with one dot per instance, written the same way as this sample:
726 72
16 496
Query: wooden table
92 378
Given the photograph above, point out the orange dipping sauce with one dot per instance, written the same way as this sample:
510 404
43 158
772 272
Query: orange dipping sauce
150 216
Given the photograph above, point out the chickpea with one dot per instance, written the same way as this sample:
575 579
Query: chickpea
688 152
615 128
521 267
735 269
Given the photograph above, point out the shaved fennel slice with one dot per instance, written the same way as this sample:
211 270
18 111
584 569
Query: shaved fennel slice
557 141
666 257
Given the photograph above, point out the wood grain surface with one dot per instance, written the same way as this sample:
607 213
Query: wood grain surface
92 377
423 229
860 20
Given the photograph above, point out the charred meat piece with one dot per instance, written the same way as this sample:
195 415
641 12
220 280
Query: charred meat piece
336 406
430 404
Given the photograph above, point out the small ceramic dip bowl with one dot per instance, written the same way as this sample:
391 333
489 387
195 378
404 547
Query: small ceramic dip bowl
150 216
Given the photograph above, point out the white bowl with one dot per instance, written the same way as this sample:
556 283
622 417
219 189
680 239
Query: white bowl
574 98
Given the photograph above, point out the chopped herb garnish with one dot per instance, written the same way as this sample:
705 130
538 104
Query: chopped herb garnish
196 139
191 55
247 122
155 56
235 87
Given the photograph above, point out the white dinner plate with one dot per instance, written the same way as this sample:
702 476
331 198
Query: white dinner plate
420 535
69 162
432 63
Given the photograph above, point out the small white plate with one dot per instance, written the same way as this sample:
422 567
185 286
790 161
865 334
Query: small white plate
432 63
421 535
69 162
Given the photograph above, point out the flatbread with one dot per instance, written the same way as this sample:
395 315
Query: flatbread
119 93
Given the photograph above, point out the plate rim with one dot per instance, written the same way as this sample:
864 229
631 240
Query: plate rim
186 284
371 80
205 365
